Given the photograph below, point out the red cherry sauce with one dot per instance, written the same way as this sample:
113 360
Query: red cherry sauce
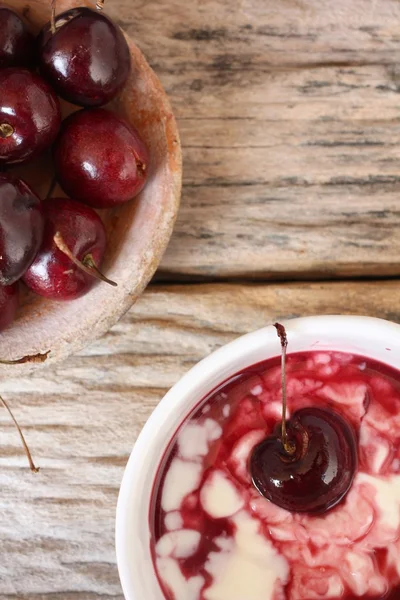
354 548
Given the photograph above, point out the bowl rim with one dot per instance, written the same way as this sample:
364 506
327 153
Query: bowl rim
368 336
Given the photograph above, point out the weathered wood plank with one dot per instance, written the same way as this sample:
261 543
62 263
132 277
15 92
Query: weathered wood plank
81 418
293 32
289 116
286 232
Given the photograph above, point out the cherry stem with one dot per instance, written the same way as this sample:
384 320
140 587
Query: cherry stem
288 445
32 466
53 17
100 4
141 166
6 130
87 265
89 262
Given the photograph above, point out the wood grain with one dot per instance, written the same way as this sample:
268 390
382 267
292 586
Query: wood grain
289 117
81 419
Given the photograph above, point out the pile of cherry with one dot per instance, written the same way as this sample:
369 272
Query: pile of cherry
55 245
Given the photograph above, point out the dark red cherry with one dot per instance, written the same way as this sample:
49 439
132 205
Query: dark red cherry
100 158
319 473
87 59
17 44
21 228
8 304
30 115
52 273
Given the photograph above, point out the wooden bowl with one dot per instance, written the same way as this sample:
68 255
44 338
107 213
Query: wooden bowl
138 232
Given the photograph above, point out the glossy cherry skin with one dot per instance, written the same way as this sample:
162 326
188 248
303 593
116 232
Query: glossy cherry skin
318 476
52 274
87 59
21 228
17 44
8 304
100 158
30 115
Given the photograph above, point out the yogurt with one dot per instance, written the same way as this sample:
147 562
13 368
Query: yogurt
213 537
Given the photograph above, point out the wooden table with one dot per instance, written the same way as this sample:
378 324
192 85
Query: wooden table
289 113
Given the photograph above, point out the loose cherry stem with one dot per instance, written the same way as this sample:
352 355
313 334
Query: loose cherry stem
88 265
53 17
21 435
288 445
100 4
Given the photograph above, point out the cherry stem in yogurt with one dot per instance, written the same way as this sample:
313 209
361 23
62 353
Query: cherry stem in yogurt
289 446
32 465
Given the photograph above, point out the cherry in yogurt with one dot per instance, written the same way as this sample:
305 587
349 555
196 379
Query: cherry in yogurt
319 472
309 464
215 537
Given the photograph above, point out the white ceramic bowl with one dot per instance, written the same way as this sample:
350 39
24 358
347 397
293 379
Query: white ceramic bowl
373 338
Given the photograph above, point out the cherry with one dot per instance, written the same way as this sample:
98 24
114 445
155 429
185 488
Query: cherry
84 56
8 304
21 228
16 42
73 245
310 463
30 115
100 158
318 474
